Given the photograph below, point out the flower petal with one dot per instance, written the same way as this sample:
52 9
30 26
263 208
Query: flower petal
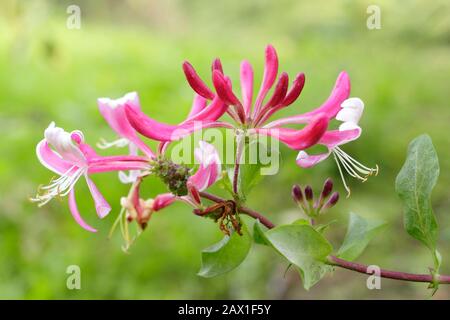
196 82
305 160
198 105
211 112
210 166
114 113
64 144
270 74
299 139
330 107
163 132
76 214
330 139
49 159
247 86
101 205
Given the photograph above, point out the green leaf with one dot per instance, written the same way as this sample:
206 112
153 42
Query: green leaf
301 222
359 233
251 168
304 247
258 234
414 184
225 255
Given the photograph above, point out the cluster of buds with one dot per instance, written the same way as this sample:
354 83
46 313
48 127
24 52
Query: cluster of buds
175 176
313 207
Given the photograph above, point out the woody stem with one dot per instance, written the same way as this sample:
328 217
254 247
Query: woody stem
338 262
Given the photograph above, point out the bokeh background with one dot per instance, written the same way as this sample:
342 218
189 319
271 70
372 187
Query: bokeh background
48 72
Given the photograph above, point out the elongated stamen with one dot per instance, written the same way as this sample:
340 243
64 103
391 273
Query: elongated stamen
352 167
59 187
119 143
363 168
342 176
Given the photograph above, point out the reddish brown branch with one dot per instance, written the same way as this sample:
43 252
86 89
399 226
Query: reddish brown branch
333 260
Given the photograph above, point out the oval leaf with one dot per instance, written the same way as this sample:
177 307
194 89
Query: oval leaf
304 247
225 255
359 233
414 184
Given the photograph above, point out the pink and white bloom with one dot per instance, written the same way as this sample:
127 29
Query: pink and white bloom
113 111
66 154
253 116
349 130
208 172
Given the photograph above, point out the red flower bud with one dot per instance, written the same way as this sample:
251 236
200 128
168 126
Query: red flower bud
327 188
309 193
332 201
297 193
196 82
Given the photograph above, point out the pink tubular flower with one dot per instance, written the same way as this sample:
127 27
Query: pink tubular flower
67 155
113 111
349 130
202 116
252 117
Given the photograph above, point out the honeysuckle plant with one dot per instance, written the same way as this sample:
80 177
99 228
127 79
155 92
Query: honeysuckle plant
302 243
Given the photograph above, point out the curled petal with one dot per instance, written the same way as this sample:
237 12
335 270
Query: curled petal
163 200
352 110
247 86
330 107
76 214
270 74
299 139
49 159
65 143
330 139
195 82
305 160
209 169
114 113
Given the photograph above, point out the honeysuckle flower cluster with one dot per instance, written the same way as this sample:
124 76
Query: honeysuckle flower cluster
67 154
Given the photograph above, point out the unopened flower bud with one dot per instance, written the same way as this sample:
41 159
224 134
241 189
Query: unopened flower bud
309 193
327 188
297 193
217 65
195 82
332 201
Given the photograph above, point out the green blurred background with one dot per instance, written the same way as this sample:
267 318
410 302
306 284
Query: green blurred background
49 72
